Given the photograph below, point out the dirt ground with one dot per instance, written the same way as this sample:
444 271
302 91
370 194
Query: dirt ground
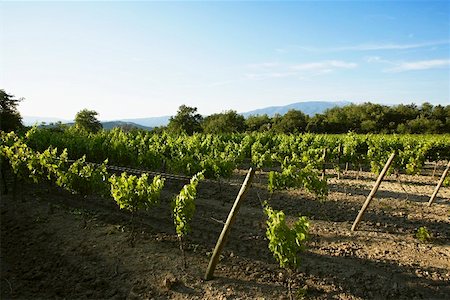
55 245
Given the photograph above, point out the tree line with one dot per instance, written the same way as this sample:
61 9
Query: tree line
358 118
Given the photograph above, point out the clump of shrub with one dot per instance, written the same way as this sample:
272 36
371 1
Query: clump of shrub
423 235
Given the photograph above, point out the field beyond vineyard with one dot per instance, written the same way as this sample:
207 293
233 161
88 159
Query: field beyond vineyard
58 245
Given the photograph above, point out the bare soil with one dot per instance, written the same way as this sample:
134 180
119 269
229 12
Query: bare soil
55 245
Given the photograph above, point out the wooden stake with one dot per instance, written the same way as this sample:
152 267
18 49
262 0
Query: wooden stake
434 169
374 190
226 228
438 186
324 157
339 162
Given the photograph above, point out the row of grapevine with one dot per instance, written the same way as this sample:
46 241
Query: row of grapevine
218 155
298 159
130 192
166 153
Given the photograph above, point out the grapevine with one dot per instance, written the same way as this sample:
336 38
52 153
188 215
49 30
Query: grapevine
134 193
183 209
297 177
84 178
286 242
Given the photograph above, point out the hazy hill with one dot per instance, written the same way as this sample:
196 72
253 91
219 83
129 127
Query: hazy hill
127 125
31 120
150 122
48 122
309 107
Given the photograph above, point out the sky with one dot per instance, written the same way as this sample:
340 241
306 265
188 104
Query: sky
145 59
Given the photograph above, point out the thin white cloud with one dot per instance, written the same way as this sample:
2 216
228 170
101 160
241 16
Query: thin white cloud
264 65
365 47
372 59
208 84
378 59
268 75
420 65
324 65
390 46
297 70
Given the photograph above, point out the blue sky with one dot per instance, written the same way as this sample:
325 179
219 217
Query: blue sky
143 59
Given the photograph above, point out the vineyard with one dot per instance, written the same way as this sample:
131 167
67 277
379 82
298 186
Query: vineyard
137 215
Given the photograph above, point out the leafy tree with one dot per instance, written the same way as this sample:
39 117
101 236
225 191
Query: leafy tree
316 124
376 118
158 129
398 115
292 122
442 114
422 125
10 118
258 123
371 118
342 119
426 110
87 120
186 120
369 126
227 122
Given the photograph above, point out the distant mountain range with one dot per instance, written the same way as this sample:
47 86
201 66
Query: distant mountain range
309 107
150 122
111 124
42 121
31 120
